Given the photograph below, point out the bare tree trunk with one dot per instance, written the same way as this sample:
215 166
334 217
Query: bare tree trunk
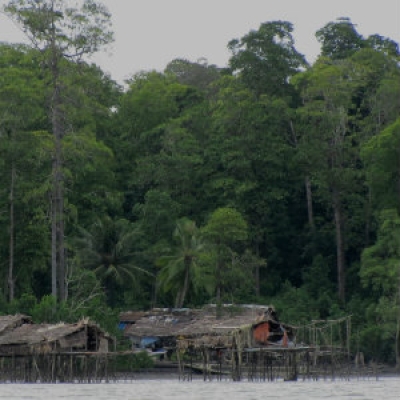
218 278
307 184
309 203
185 287
218 300
340 259
257 271
398 184
57 247
58 212
154 292
368 218
54 234
397 344
11 280
177 299
398 306
61 245
52 27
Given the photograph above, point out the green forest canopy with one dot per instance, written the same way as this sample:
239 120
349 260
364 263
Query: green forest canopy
268 181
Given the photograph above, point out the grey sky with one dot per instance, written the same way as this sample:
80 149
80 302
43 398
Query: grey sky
150 33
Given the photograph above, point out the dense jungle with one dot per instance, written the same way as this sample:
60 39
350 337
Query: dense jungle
267 181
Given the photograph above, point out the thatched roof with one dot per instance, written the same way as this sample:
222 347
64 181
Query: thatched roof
211 325
187 322
84 335
131 316
10 322
32 334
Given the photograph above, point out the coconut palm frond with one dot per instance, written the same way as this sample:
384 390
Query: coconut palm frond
177 268
107 248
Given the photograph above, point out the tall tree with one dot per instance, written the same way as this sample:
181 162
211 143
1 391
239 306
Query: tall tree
381 155
150 102
62 31
248 166
266 58
109 248
180 268
380 269
339 39
225 228
197 74
383 44
327 90
21 100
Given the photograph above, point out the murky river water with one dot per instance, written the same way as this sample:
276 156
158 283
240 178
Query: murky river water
359 389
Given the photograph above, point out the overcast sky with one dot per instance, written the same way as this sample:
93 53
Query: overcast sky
150 33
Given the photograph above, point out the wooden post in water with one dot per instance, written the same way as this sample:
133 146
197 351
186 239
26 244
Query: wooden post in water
204 363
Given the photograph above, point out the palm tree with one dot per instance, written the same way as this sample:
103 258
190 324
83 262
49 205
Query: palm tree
180 270
107 248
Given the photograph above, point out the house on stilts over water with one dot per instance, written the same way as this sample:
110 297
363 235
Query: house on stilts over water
240 341
52 352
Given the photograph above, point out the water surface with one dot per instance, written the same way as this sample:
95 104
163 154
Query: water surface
173 389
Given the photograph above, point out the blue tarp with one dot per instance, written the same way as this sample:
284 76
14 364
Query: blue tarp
148 341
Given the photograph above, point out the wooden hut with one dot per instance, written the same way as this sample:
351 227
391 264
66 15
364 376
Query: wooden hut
170 326
52 352
157 330
201 332
245 341
31 338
